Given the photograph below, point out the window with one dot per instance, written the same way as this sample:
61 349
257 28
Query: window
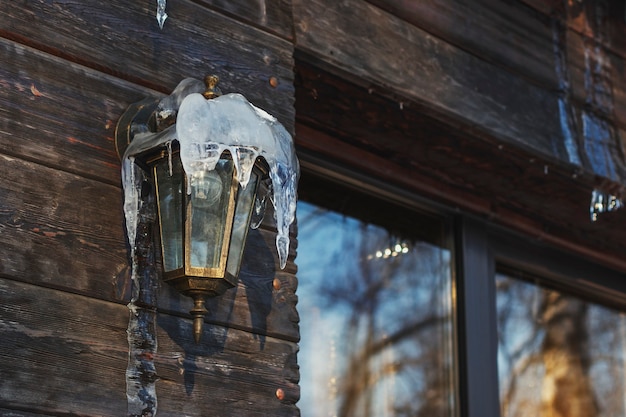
375 291
558 354
394 322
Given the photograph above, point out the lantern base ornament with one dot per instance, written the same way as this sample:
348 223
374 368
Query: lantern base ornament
198 312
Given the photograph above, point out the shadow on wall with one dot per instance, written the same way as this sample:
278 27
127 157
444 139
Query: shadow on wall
231 309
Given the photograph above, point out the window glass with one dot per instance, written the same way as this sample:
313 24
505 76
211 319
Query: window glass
376 320
558 355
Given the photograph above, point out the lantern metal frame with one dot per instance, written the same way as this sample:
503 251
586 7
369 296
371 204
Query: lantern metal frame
193 281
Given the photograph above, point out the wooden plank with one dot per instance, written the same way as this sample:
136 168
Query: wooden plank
61 114
406 61
79 346
581 17
272 15
61 230
345 124
588 18
229 373
123 39
588 67
19 413
61 354
509 34
78 244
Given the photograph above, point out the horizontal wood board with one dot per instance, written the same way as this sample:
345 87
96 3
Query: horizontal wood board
123 39
61 230
343 122
61 114
411 64
61 354
408 64
78 245
577 16
273 16
78 345
508 34
518 36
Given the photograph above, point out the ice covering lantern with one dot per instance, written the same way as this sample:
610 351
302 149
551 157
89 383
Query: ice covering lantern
214 160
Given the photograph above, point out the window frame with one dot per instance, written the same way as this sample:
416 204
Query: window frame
480 248
484 249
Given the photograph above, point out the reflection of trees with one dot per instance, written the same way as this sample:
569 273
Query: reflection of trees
395 360
567 390
560 356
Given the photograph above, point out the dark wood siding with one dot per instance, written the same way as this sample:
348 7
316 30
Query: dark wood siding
472 105
69 70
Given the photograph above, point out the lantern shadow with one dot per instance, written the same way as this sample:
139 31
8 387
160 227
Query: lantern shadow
181 332
224 311
257 274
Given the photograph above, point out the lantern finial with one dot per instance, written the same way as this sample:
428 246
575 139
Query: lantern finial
212 90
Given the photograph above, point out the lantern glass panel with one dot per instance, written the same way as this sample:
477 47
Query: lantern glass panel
243 211
170 195
211 198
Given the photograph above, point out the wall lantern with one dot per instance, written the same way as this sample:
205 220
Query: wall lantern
213 160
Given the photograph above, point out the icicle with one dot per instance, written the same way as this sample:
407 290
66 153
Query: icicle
567 115
603 202
160 13
141 395
169 157
206 128
258 213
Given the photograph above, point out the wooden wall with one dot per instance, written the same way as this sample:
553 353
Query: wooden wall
512 110
505 69
69 70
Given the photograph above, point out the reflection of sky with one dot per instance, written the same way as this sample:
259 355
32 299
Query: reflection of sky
341 285
521 333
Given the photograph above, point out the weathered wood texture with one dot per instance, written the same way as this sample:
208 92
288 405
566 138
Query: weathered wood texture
271 15
20 413
123 39
77 244
65 354
233 373
61 354
69 71
61 114
521 39
388 53
508 34
343 122
578 18
61 230
487 83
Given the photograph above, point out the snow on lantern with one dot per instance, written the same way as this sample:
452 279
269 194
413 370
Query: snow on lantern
210 157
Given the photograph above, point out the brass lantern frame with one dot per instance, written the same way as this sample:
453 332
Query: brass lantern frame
193 281
190 278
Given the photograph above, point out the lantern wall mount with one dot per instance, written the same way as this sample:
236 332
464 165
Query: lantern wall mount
213 160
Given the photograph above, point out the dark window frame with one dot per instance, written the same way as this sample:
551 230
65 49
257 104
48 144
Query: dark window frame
480 249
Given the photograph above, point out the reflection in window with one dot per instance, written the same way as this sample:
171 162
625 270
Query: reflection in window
376 318
558 355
